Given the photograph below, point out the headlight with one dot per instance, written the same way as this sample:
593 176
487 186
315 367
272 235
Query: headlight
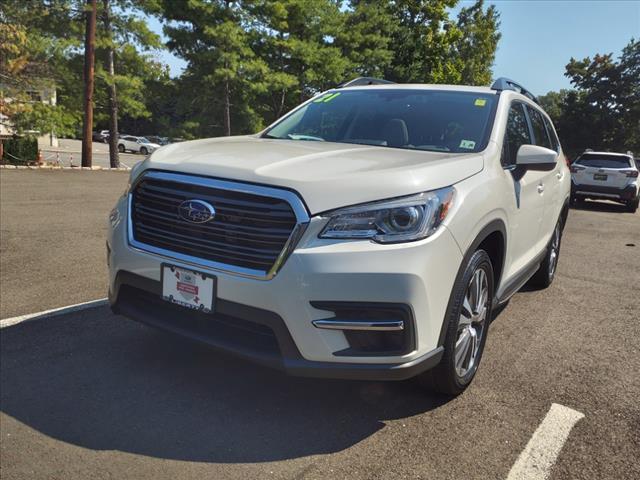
133 174
399 220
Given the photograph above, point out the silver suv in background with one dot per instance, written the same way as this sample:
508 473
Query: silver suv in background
605 176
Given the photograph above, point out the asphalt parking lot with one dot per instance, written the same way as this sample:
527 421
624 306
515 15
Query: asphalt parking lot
92 395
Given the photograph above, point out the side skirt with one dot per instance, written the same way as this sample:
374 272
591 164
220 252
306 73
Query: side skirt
517 282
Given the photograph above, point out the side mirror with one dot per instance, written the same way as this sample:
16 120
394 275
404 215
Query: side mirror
534 157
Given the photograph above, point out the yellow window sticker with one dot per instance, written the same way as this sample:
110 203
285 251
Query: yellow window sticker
480 102
326 98
468 144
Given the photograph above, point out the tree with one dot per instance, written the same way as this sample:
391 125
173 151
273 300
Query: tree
298 42
421 41
603 111
114 158
429 47
123 39
212 37
89 59
28 60
553 102
366 38
475 47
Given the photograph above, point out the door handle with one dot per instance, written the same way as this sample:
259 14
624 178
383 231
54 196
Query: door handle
541 188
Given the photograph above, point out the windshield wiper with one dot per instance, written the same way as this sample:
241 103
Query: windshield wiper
302 136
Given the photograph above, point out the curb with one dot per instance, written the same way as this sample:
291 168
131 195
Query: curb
54 167
54 312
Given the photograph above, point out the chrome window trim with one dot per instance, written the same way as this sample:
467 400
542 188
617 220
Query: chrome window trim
298 207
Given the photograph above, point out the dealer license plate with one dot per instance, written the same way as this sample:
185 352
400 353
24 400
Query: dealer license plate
188 288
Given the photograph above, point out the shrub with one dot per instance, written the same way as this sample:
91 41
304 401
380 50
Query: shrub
20 150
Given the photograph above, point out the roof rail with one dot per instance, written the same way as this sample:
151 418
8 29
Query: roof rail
503 83
360 81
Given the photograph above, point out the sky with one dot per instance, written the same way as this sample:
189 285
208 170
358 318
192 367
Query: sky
539 37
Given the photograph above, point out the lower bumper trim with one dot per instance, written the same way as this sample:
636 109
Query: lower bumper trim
365 371
379 325
265 339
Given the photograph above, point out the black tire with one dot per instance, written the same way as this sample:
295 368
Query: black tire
144 151
445 377
121 148
632 206
547 272
576 201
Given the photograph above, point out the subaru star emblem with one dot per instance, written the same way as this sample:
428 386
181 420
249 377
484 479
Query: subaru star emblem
196 211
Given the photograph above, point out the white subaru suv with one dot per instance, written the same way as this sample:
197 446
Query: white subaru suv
605 176
367 234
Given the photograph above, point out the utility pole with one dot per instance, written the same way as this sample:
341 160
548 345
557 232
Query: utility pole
89 70
114 157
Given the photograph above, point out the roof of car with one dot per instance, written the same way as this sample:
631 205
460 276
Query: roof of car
421 86
607 153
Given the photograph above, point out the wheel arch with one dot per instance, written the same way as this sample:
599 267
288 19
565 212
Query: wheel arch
493 239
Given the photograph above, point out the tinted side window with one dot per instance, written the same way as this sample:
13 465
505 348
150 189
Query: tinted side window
517 134
539 130
555 143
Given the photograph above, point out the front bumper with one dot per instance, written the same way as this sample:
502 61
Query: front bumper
271 322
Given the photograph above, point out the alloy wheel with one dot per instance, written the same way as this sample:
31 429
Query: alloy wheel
472 323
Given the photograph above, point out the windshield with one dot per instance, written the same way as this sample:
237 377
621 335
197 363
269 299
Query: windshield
143 140
604 161
434 120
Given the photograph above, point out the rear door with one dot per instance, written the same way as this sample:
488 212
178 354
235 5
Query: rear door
601 169
551 180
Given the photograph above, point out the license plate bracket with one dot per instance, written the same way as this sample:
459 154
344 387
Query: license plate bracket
188 288
600 176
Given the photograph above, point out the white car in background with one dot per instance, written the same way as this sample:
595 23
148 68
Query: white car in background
136 145
605 176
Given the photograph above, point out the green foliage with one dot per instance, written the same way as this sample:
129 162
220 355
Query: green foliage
475 48
20 150
44 118
248 61
366 38
431 48
603 111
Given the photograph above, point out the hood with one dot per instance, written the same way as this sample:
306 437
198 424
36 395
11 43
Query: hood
151 145
327 175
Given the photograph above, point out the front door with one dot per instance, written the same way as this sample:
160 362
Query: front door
526 196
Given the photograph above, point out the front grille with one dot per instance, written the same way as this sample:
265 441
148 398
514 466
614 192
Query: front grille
249 230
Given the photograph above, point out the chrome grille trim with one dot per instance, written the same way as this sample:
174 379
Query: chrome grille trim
296 204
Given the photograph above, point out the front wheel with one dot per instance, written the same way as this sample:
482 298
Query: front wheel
144 151
547 270
467 320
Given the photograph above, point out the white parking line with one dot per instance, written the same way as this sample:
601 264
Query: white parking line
536 460
7 322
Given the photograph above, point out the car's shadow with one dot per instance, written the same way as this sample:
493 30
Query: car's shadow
102 382
597 206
